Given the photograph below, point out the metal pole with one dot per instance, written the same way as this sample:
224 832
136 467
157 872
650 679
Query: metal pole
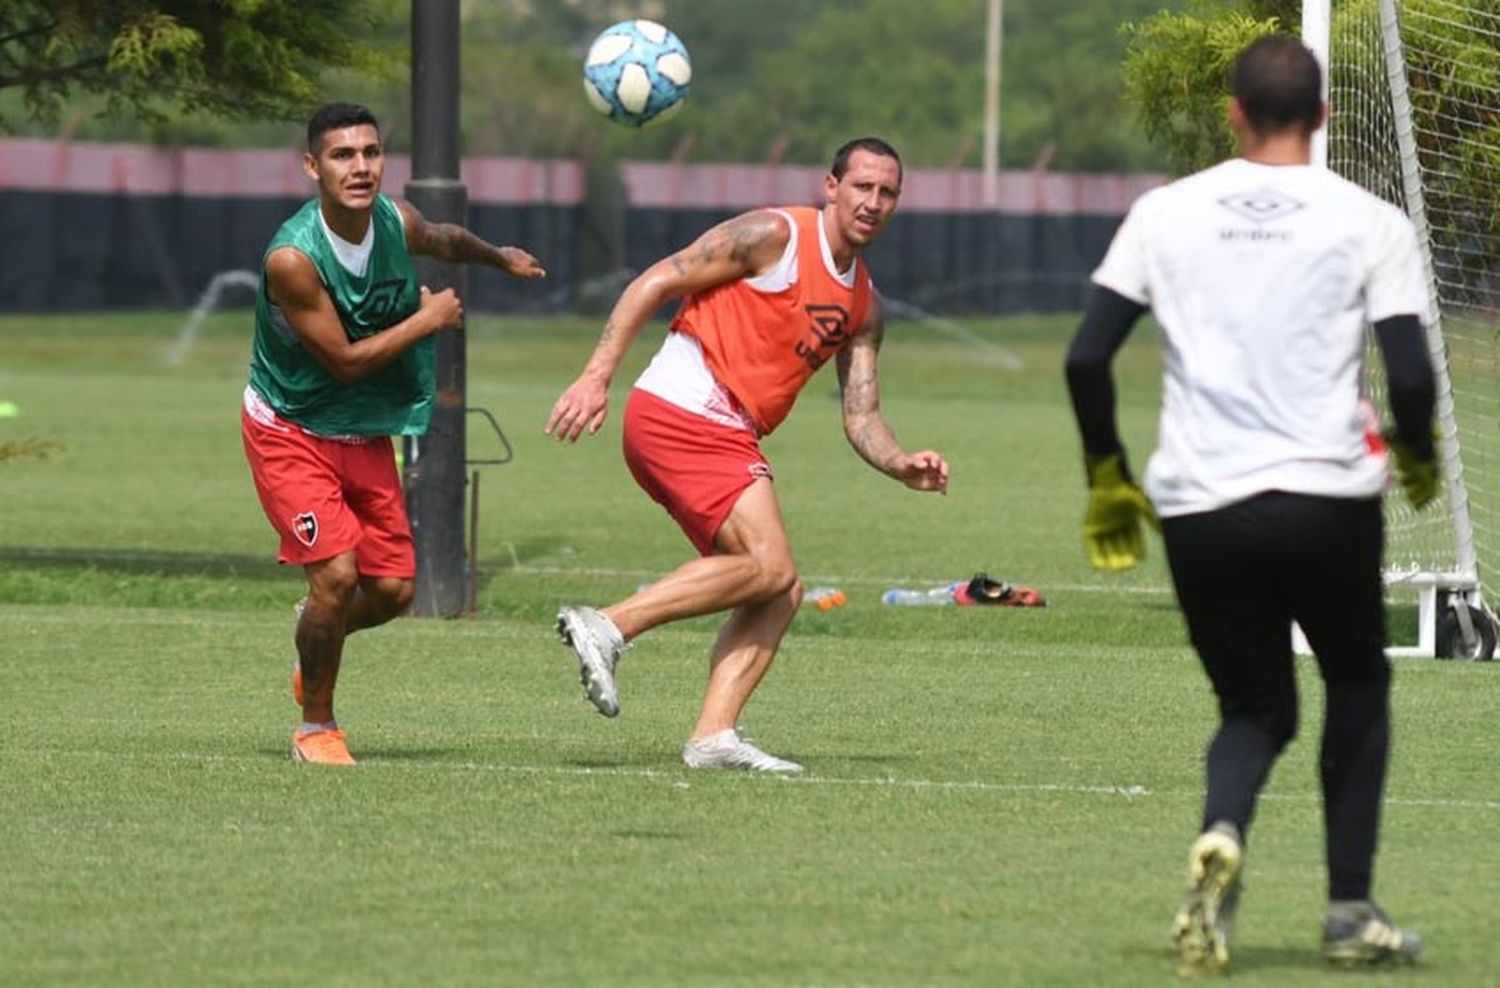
1317 26
1415 193
992 35
435 463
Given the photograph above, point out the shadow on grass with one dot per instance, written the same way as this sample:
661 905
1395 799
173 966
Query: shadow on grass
606 764
1242 959
375 754
648 834
874 758
415 754
522 552
219 564
140 562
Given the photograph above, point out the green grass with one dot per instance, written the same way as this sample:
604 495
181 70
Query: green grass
993 798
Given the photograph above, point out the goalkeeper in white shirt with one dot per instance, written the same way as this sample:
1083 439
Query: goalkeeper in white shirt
1263 272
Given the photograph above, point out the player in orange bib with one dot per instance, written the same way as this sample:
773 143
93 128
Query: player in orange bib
768 297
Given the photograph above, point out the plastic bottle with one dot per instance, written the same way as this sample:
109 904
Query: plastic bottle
825 598
936 597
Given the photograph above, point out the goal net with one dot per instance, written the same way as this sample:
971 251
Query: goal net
1415 119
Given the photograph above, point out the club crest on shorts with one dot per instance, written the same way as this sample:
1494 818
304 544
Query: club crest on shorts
760 469
305 527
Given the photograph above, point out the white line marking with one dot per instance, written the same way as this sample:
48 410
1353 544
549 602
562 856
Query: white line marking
516 566
825 579
677 777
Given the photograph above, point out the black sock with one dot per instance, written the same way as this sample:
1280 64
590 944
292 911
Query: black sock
1356 744
1239 759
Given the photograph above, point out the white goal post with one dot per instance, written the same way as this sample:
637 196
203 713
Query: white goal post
1412 98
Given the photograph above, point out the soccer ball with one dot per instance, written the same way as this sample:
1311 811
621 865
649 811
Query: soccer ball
637 73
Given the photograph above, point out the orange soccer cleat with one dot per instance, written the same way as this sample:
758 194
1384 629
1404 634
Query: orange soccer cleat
321 747
984 591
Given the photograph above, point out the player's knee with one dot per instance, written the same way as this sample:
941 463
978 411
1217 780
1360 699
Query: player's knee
389 597
1370 670
794 593
1282 726
1278 724
333 583
776 577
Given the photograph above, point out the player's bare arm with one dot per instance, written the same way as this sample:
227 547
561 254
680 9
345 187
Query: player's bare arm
865 426
458 245
292 283
745 246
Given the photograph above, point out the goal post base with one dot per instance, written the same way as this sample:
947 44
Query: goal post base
1452 619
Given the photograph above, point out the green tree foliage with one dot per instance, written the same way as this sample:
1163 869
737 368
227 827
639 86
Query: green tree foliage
1453 71
1061 99
787 80
773 79
1177 77
872 68
149 58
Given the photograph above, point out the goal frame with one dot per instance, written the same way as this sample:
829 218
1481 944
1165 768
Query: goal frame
1451 593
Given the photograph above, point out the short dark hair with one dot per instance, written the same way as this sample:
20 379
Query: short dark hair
874 145
1279 84
336 116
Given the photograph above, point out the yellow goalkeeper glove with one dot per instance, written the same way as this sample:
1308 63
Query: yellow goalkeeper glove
1117 505
1418 477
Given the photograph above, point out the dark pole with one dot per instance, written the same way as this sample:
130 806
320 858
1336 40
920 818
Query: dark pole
435 462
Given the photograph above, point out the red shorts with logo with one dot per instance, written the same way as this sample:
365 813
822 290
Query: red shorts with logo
326 497
692 466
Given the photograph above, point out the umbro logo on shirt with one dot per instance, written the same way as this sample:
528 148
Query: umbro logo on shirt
1261 206
828 331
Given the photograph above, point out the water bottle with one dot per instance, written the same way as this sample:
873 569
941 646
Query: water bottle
825 598
936 597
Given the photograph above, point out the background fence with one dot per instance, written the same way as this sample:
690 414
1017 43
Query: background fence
108 226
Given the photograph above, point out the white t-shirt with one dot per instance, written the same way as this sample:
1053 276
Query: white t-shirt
1263 278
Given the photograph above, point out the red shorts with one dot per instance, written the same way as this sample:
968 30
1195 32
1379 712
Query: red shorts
692 466
326 497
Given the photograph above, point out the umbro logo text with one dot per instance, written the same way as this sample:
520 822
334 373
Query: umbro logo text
1256 235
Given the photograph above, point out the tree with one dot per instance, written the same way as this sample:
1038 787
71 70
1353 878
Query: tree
774 79
788 79
1177 76
145 58
817 73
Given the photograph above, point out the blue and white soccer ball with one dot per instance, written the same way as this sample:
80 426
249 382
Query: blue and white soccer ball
637 73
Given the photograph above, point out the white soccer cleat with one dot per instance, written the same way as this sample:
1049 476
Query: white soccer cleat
1204 924
597 643
728 750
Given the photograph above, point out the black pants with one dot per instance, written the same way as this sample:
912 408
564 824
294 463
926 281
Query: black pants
1243 574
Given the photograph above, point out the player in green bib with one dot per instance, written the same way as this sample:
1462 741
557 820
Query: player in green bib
342 361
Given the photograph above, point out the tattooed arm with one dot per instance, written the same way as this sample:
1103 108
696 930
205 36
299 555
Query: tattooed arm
457 245
866 428
745 246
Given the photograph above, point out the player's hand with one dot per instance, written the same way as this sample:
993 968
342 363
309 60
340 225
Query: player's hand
924 471
443 308
1418 477
520 264
1117 506
583 406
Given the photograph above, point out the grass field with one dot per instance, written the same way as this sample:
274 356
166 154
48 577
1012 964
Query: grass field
992 797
